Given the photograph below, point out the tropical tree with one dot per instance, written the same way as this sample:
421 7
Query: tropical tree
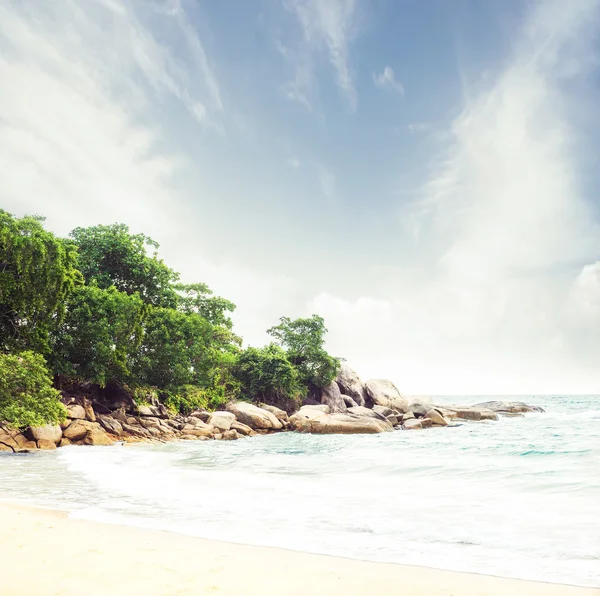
109 255
266 375
100 336
37 273
303 340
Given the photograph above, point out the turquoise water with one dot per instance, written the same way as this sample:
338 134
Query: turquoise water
516 498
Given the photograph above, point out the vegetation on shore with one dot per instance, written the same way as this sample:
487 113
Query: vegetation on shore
101 307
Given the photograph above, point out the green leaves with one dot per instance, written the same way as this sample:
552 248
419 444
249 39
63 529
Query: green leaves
100 335
112 256
27 397
304 340
267 375
37 273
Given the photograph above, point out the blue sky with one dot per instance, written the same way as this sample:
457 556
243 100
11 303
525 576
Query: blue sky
422 173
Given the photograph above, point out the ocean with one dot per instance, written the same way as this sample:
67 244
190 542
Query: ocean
516 498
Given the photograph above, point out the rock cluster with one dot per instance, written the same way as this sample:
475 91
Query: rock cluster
347 406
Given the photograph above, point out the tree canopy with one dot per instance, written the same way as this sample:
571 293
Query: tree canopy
304 341
37 274
103 308
112 256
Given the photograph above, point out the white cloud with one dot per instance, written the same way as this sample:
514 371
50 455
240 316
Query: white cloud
386 79
416 127
493 302
77 84
294 162
326 27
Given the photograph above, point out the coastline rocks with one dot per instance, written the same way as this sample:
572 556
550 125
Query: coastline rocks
242 429
508 407
311 420
221 420
280 414
350 384
77 430
419 408
363 411
46 445
412 424
350 403
110 425
96 436
49 432
201 415
332 397
384 393
436 418
253 416
76 412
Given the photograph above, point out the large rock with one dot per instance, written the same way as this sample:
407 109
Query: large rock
46 444
508 407
78 429
310 420
110 425
350 403
384 393
253 416
332 397
96 436
221 420
350 384
363 411
280 414
76 412
50 432
436 418
412 424
242 429
419 408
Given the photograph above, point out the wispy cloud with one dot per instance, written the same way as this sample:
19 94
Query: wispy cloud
326 27
294 162
417 127
386 79
78 81
327 181
501 227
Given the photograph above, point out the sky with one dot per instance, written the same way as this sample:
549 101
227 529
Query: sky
421 173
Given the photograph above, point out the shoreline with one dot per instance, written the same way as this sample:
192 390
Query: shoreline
46 552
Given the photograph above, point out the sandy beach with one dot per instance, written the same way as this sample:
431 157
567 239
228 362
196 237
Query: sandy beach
47 554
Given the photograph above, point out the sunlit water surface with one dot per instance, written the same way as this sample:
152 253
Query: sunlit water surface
515 498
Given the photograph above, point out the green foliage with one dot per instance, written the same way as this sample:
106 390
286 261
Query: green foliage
100 336
175 350
112 256
266 375
37 273
303 340
198 298
27 397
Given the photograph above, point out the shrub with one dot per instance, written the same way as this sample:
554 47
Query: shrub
27 397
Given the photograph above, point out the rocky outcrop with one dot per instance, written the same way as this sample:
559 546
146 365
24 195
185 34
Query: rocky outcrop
332 397
221 420
51 433
508 407
350 384
280 414
436 417
384 393
253 416
312 420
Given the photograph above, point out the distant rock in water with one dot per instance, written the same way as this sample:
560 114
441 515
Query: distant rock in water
508 407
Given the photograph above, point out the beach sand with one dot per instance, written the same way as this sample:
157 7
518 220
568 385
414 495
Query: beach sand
44 553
